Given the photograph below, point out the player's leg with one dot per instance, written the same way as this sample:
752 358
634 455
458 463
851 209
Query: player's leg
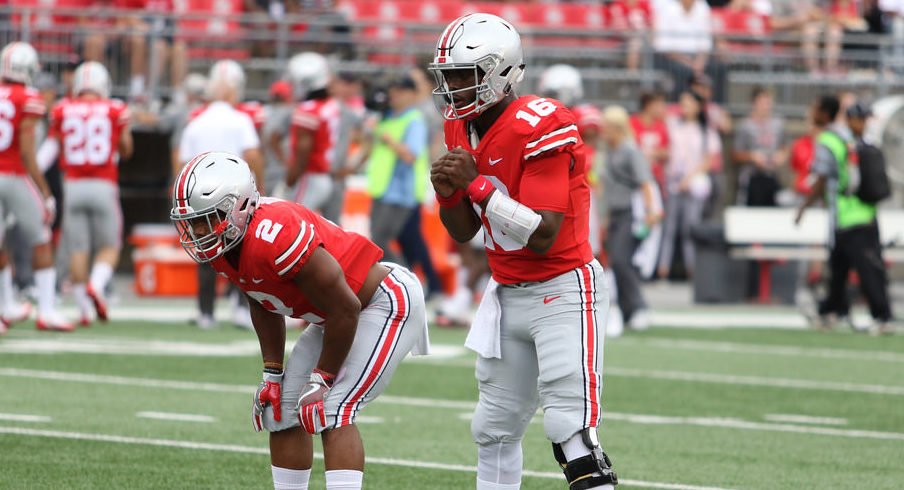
871 270
391 326
106 229
507 398
77 239
386 222
26 204
836 302
10 310
568 326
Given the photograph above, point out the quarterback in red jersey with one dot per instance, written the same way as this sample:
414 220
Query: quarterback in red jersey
314 129
365 315
517 169
94 132
23 191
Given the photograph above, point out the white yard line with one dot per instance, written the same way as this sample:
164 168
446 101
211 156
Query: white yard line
177 417
764 349
452 404
85 436
24 417
804 419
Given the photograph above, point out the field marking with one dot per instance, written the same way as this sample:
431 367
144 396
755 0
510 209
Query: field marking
765 349
84 436
24 417
177 417
804 419
762 381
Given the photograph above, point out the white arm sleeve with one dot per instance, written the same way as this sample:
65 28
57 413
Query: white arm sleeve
47 153
512 218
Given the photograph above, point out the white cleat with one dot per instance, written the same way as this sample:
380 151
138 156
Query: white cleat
18 314
54 322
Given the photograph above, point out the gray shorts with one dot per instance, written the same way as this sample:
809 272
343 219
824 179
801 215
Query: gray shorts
20 198
388 328
552 355
313 190
92 216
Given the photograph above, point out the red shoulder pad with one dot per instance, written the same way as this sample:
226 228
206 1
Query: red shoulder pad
283 238
556 132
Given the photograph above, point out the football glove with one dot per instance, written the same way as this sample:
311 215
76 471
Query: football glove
310 404
268 393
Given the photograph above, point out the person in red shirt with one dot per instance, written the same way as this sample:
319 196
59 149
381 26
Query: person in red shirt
23 191
314 129
516 168
93 131
652 134
365 316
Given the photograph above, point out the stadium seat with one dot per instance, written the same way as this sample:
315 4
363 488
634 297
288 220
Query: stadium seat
212 28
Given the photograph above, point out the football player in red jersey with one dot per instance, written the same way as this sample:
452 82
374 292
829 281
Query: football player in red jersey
94 132
365 315
516 168
312 137
23 191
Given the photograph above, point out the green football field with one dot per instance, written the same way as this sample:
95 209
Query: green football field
164 406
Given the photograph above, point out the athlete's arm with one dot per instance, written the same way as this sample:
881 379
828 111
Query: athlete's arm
126 143
322 281
271 333
27 148
298 164
459 219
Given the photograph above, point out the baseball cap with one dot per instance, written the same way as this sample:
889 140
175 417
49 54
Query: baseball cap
859 111
281 89
404 82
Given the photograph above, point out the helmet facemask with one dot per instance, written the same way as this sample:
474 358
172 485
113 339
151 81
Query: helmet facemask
485 95
210 233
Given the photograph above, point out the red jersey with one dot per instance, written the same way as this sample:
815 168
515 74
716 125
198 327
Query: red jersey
89 132
17 102
801 156
254 110
280 239
652 137
519 156
320 117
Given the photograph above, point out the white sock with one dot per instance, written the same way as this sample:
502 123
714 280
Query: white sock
485 485
574 448
7 298
344 479
80 293
286 479
45 280
100 276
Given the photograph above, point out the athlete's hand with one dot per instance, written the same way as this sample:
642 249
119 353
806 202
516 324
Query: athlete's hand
50 210
310 404
268 393
440 181
458 167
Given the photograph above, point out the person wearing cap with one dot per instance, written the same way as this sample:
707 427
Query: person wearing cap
854 230
397 171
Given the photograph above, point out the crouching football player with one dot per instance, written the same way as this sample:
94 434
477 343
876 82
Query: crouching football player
365 315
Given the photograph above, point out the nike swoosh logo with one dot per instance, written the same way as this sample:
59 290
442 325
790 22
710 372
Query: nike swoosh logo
494 162
257 281
483 186
549 299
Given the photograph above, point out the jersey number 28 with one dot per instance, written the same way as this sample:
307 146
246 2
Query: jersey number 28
87 140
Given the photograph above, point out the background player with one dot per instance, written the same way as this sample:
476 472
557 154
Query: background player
23 191
313 133
94 132
517 168
365 315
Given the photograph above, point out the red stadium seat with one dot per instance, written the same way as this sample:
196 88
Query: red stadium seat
211 28
51 31
734 24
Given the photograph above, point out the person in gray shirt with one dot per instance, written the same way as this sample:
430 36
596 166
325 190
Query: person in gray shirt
626 172
760 148
275 133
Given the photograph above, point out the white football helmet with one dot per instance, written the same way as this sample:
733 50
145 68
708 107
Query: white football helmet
227 72
308 72
91 76
489 46
19 63
562 82
214 198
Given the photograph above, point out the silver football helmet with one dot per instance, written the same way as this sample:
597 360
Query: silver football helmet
562 82
19 63
91 76
308 72
491 48
214 198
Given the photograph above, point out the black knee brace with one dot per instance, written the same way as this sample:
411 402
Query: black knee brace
580 472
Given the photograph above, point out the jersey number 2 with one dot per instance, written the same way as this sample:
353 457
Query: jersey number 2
267 230
540 108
